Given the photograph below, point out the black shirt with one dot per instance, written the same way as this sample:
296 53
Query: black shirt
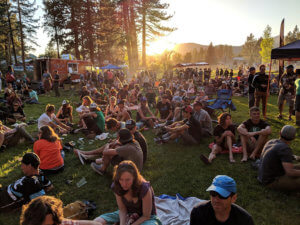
194 128
142 141
260 79
251 127
219 130
164 109
56 79
273 155
204 214
28 187
250 80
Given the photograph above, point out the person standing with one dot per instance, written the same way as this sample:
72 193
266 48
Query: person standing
47 81
251 98
56 84
297 99
287 91
260 82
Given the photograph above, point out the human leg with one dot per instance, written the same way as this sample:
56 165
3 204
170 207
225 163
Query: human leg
229 146
214 151
154 220
251 100
108 218
244 140
260 143
280 103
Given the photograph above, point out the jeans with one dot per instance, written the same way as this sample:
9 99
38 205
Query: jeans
259 95
251 100
20 132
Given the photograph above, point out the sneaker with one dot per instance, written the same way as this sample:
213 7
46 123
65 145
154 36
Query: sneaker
97 168
81 158
204 159
157 139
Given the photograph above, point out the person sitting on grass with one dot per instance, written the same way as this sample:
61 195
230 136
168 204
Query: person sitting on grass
30 186
254 134
130 149
165 109
94 121
47 210
65 113
221 208
122 113
84 108
11 137
33 97
48 118
224 134
189 129
297 98
203 117
134 196
111 108
143 110
85 156
49 150
276 170
16 113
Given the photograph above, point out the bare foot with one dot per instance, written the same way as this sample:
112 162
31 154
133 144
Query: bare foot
231 160
244 159
252 156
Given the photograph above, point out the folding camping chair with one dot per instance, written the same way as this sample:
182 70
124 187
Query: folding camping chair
223 101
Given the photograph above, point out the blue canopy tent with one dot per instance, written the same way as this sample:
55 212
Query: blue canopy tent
110 67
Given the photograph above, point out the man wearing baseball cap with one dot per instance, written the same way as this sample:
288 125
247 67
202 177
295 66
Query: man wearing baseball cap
129 149
189 129
277 170
221 208
287 91
26 188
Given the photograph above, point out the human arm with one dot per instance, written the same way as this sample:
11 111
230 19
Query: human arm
290 170
122 210
59 112
71 114
147 208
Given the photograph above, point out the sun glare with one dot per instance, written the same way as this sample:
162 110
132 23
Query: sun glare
159 46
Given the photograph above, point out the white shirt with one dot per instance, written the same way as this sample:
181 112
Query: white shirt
45 119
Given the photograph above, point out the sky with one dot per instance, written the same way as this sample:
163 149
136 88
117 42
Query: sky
217 21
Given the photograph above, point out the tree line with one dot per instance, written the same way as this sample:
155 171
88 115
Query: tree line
97 30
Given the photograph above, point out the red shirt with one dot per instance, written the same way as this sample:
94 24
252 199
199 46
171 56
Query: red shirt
49 153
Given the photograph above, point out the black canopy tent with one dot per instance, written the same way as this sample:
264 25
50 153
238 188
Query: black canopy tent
289 52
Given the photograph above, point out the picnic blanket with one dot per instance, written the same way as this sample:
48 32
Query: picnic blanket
175 210
235 149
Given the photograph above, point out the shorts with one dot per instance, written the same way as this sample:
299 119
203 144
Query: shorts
112 218
289 99
189 139
297 103
116 160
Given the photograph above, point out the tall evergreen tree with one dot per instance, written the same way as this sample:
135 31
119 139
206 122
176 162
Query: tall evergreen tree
210 56
251 49
27 25
152 14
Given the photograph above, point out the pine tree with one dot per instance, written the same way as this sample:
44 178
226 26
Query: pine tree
210 56
27 25
152 13
54 22
251 49
293 36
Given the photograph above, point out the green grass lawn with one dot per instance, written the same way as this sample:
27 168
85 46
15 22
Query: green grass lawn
171 168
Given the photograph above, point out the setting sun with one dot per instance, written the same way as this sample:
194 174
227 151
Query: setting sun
159 46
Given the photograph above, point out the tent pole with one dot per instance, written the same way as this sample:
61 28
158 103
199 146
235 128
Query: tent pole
265 113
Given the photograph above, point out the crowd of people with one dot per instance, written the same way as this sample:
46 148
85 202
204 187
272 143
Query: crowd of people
176 107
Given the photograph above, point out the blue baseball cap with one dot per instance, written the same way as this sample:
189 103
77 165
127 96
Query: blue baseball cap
224 185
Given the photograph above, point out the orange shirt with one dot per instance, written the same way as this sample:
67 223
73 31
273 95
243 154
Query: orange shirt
49 153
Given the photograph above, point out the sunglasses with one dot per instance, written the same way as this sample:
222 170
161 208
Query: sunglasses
215 194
